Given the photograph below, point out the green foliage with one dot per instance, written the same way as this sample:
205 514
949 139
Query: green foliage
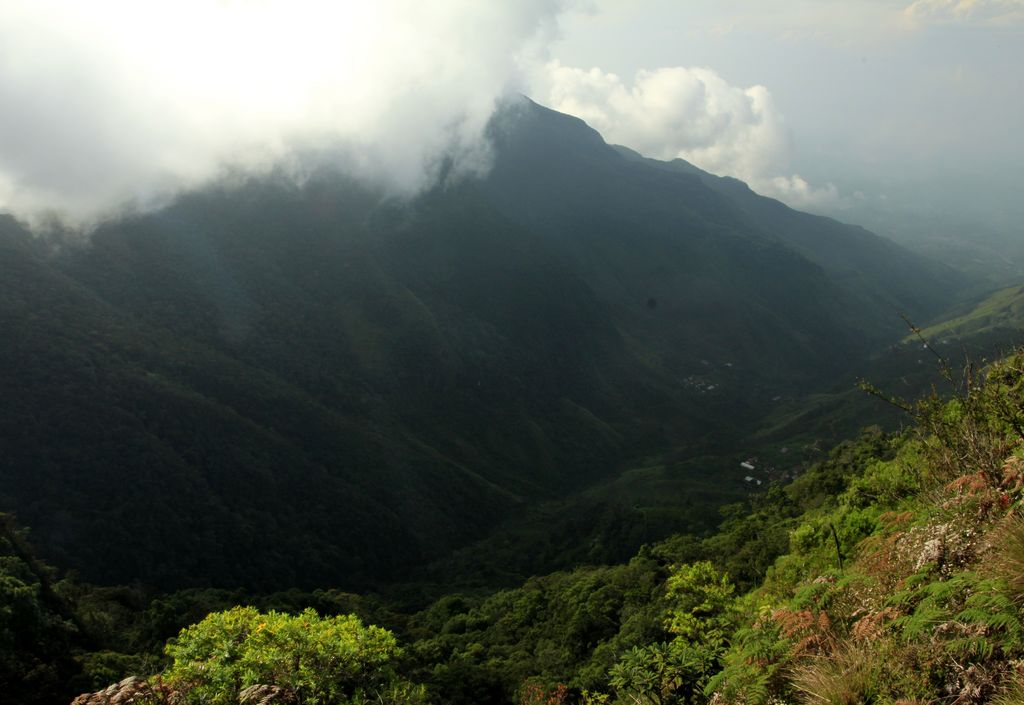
753 669
751 537
876 599
847 461
886 483
700 604
101 668
666 672
1002 310
317 660
700 600
972 617
976 430
849 614
565 628
38 633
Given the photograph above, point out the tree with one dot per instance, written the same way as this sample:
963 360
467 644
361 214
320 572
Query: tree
700 605
37 634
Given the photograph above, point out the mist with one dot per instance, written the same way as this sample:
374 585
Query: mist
111 105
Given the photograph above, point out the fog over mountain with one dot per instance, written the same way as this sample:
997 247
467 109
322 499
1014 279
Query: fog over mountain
870 112
874 112
113 104
108 103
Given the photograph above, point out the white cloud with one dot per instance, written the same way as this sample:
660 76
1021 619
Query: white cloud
688 113
795 191
987 12
110 101
116 102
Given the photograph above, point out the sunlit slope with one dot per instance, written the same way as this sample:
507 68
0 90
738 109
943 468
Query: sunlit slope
1001 312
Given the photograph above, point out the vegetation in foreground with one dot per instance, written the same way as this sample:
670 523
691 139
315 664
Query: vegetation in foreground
889 573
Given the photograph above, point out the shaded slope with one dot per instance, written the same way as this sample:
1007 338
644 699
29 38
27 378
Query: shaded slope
273 384
875 274
305 405
684 273
139 455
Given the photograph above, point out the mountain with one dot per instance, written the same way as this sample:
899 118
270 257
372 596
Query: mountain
276 384
872 270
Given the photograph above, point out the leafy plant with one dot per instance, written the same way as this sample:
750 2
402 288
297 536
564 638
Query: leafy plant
667 672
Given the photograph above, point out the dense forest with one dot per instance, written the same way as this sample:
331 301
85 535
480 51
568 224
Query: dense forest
888 572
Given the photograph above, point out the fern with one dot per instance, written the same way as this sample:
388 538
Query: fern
995 616
978 648
933 605
972 618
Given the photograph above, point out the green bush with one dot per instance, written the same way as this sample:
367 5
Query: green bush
317 660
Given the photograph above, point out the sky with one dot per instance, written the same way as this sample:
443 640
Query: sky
905 107
914 107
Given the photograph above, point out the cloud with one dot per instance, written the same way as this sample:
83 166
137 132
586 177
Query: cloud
692 114
795 191
115 101
984 12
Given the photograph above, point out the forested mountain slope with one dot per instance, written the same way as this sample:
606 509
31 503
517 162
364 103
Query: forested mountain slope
319 384
709 251
873 270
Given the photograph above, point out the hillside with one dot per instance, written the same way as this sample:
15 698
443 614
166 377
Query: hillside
1000 313
278 370
890 572
874 272
735 268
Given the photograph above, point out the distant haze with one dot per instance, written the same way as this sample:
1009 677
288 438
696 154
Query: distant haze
862 108
907 108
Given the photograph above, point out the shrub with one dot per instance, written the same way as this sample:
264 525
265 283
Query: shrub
315 660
